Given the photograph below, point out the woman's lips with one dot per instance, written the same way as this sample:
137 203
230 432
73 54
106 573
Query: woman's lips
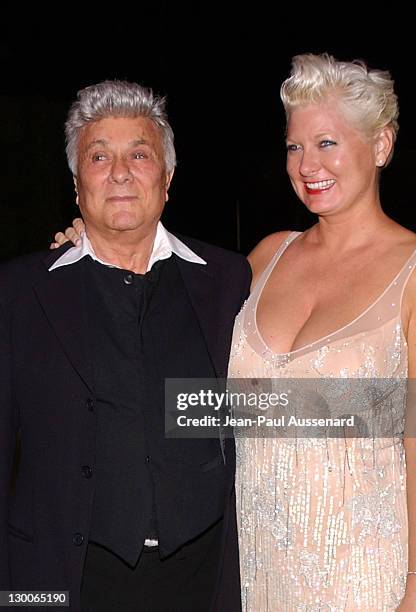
317 187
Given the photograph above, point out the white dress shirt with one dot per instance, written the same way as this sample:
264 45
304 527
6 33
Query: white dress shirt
164 245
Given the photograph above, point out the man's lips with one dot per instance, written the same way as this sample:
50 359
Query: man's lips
319 186
121 198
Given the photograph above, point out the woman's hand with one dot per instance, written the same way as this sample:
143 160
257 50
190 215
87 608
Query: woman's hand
73 234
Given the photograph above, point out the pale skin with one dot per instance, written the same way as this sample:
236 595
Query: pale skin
332 272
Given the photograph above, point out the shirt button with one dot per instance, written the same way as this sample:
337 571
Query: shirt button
90 404
148 459
86 471
128 278
77 539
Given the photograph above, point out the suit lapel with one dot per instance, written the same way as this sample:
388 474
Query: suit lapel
62 297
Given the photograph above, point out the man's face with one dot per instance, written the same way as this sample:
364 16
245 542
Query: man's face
121 177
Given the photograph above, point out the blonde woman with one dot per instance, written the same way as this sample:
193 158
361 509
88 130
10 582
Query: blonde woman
323 523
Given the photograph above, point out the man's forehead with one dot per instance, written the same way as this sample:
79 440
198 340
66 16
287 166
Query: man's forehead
132 131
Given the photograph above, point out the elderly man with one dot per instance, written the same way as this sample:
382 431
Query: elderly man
104 506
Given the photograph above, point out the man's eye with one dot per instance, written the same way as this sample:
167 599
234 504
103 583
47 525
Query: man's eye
292 148
327 143
98 157
139 155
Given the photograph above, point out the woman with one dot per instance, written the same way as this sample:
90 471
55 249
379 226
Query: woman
323 522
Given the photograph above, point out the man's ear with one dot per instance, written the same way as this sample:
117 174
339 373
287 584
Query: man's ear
169 176
383 146
74 178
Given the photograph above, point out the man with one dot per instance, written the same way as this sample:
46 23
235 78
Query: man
104 506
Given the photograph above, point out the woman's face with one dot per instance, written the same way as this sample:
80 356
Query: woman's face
332 167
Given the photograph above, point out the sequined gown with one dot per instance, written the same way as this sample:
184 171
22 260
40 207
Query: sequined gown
322 522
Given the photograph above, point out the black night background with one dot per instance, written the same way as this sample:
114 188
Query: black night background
221 75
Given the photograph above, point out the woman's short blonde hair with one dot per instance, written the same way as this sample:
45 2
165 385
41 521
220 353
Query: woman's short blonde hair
366 96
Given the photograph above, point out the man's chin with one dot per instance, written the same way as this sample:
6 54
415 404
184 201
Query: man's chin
123 222
125 227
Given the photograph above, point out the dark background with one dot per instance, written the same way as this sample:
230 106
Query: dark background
221 74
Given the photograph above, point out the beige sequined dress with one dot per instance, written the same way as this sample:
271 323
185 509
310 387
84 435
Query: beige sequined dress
322 522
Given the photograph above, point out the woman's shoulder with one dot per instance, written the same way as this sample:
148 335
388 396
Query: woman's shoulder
263 252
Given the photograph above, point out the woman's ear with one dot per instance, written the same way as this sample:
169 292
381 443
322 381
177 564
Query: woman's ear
383 146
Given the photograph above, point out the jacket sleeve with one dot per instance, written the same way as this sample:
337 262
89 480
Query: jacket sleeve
7 445
248 275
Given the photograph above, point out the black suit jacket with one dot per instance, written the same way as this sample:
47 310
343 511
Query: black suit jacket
47 398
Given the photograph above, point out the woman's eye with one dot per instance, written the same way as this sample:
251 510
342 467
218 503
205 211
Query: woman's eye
326 143
292 147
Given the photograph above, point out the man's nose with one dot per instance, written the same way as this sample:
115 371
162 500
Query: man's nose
120 170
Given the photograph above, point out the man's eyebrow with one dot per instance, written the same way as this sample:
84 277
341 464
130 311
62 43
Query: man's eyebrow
138 142
99 141
104 143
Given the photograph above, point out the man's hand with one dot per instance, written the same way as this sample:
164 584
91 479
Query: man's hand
73 234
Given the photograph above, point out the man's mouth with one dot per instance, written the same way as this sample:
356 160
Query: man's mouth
121 198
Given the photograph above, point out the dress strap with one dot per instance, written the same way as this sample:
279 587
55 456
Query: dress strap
386 307
393 296
257 289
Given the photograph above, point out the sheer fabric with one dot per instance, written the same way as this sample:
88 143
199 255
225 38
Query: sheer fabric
322 521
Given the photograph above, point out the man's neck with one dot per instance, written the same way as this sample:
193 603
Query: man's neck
124 250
